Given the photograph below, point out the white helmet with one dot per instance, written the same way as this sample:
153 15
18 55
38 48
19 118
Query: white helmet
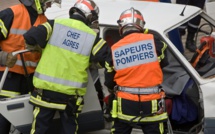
86 8
131 18
40 5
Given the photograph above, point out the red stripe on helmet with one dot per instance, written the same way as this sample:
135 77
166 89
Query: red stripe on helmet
87 4
129 15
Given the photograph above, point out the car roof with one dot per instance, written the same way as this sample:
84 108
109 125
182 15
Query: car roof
158 16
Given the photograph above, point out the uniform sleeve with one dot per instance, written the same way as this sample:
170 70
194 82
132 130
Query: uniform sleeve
39 35
6 19
101 55
161 52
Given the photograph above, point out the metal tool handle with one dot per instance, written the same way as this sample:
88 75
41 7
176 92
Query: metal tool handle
7 68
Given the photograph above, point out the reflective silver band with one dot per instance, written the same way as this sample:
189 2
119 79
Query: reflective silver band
17 31
150 90
27 63
60 81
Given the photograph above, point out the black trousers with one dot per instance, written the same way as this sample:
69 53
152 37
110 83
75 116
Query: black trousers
43 118
99 90
134 108
120 127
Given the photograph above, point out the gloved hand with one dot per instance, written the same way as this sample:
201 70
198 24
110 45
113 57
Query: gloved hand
7 59
33 48
11 60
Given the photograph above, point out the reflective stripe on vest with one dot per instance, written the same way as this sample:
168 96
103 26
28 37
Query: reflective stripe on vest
60 81
17 31
149 90
136 62
15 40
27 63
9 94
71 43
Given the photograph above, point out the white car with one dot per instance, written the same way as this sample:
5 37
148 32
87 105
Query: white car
191 90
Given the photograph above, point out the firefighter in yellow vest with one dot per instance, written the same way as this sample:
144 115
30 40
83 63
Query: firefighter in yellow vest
136 59
14 22
60 80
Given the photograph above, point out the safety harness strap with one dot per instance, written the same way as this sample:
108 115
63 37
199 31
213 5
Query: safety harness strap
142 98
